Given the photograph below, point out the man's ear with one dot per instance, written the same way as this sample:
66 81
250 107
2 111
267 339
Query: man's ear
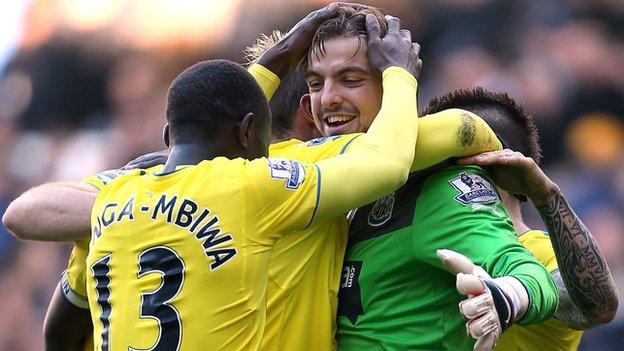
306 105
245 129
165 135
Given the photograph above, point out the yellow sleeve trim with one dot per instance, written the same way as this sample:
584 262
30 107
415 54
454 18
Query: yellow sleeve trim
267 80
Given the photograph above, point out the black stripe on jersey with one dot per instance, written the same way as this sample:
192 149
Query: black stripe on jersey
372 220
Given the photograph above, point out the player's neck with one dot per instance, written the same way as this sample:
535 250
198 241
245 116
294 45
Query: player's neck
191 154
514 208
515 213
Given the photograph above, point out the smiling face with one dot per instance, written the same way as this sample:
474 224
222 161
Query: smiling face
345 92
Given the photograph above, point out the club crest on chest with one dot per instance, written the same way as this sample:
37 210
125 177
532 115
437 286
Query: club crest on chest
381 211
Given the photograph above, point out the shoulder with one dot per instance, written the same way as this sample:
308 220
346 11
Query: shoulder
313 150
464 178
464 186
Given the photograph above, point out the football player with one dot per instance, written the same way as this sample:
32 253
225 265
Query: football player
588 295
396 292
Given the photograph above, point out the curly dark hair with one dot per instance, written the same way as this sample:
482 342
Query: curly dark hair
507 118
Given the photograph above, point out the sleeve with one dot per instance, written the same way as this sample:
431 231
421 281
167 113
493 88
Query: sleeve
290 195
538 243
267 80
314 150
100 180
450 133
459 209
281 194
73 280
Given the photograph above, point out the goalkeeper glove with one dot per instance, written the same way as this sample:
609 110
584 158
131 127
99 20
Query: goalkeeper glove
492 304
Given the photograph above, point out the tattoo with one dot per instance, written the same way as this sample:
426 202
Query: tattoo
567 311
467 132
582 265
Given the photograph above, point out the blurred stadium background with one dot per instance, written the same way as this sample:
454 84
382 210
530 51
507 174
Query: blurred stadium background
82 87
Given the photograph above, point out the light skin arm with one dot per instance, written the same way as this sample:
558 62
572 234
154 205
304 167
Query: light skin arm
586 287
66 326
52 212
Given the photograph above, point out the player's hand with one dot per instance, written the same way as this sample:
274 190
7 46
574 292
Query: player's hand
148 160
492 304
514 173
285 55
394 49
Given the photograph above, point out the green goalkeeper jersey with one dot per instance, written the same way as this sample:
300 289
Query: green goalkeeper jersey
396 295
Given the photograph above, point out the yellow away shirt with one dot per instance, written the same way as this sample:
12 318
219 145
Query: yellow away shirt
180 261
551 334
305 268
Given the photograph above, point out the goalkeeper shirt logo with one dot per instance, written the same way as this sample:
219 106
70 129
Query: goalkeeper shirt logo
473 189
349 296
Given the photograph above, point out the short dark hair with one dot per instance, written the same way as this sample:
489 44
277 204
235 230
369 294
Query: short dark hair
285 102
507 118
210 93
347 22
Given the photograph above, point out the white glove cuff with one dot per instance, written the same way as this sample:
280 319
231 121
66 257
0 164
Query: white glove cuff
517 294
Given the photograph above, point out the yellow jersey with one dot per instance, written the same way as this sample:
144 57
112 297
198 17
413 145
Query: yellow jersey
180 260
551 334
305 268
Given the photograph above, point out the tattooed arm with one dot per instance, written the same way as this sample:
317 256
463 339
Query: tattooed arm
582 267
588 295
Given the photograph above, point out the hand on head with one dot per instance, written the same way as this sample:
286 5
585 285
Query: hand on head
394 49
514 173
286 54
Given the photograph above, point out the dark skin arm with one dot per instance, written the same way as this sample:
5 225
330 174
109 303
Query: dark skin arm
588 295
66 326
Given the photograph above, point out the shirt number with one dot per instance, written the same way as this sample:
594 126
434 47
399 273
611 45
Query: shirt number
154 304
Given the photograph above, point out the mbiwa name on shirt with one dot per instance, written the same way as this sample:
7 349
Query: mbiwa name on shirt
182 212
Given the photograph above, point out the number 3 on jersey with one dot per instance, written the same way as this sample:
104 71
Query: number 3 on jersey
154 304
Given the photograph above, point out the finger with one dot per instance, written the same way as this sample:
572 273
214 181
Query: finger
475 307
476 158
353 5
372 27
317 17
329 10
394 24
470 285
407 35
416 48
484 159
480 326
455 262
487 342
466 160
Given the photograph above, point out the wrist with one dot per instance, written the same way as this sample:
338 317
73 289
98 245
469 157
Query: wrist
541 197
276 60
516 294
